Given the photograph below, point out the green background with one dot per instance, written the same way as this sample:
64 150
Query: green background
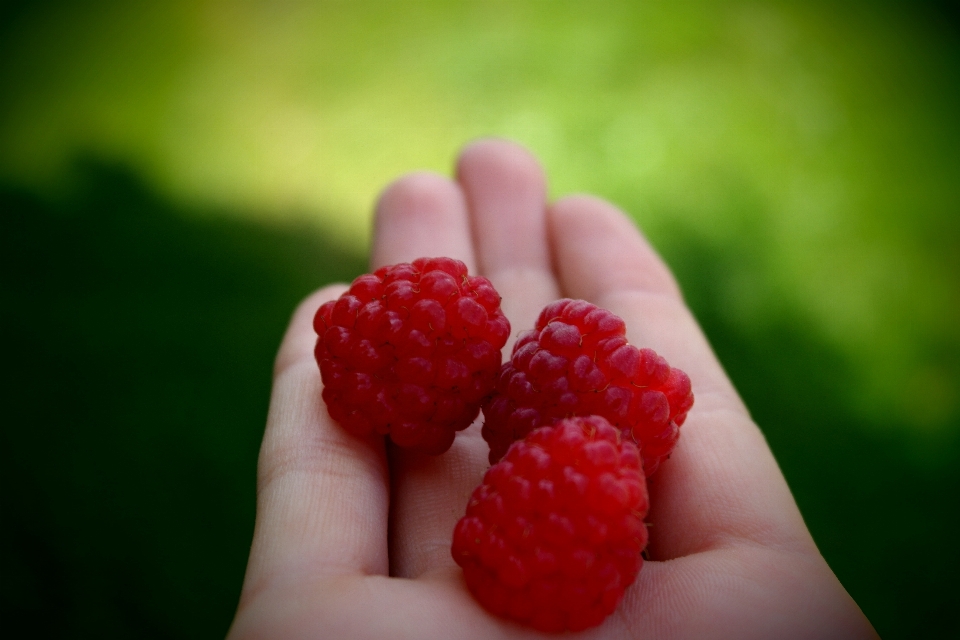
175 176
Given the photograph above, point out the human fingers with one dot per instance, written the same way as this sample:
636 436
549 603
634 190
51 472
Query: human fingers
425 215
322 494
722 481
504 192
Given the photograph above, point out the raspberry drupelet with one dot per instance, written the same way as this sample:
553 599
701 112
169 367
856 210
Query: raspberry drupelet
577 362
411 351
554 534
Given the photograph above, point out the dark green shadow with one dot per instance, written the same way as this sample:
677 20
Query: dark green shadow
139 346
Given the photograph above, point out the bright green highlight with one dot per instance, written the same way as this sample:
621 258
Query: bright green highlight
815 147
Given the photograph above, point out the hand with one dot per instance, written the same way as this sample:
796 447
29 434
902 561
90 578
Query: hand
353 536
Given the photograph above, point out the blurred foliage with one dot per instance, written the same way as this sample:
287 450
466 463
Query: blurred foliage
797 163
834 121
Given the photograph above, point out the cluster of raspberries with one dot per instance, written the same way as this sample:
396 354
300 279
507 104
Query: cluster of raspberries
575 420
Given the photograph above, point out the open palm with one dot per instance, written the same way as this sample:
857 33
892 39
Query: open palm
353 536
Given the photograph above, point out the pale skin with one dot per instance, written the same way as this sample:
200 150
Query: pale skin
353 535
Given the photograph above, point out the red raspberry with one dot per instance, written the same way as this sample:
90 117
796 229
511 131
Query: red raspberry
411 350
552 537
578 362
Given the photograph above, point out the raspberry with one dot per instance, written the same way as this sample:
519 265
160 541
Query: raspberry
578 362
412 351
552 537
